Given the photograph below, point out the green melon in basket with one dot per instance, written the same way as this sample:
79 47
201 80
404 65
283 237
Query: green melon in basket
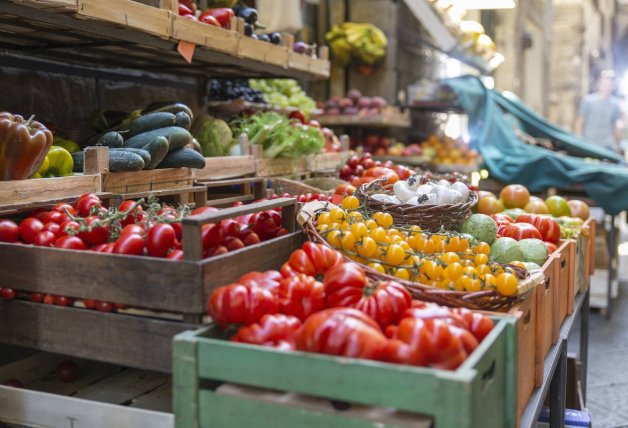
506 250
481 227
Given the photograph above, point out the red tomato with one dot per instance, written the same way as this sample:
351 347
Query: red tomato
68 371
178 229
298 116
44 239
551 247
89 303
479 325
70 243
7 293
230 227
29 228
249 238
266 226
104 306
9 231
519 231
385 302
52 227
49 299
86 203
215 250
55 217
342 331
175 255
133 211
69 226
548 227
515 196
211 235
501 219
97 233
312 259
382 172
314 123
64 208
276 330
132 228
160 239
268 280
232 243
282 231
300 296
344 284
239 304
208 19
203 210
62 301
37 297
130 244
104 248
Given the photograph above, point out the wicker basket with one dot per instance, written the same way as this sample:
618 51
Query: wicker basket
488 300
428 217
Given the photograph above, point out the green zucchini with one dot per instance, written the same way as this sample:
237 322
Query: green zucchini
177 138
183 158
144 154
183 120
151 122
79 161
158 149
169 107
123 161
111 139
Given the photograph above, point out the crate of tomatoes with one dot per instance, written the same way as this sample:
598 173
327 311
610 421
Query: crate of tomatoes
320 342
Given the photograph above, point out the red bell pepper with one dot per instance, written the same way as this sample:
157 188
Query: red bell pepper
222 16
184 10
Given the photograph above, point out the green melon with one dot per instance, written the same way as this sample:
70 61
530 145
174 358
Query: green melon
534 250
506 250
481 227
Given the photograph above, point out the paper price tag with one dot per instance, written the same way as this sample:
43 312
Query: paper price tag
186 49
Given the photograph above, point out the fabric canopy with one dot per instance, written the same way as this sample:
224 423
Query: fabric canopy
510 160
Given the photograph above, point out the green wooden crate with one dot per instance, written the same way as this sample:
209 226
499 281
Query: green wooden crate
481 393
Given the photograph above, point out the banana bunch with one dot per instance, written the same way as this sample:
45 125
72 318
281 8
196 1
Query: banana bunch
364 42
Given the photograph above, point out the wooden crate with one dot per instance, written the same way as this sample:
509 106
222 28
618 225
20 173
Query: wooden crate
223 167
451 398
205 35
590 260
57 6
565 255
547 301
128 13
194 196
104 396
223 193
180 287
19 192
147 180
329 161
278 167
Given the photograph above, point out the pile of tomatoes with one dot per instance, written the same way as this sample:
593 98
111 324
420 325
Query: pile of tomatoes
318 302
361 170
304 197
529 226
450 261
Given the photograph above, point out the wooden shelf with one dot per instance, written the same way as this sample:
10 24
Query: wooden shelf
396 120
126 34
436 107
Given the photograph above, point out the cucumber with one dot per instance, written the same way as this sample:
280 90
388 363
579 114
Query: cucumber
123 161
177 138
158 149
183 120
144 154
183 158
151 121
79 161
112 139
169 107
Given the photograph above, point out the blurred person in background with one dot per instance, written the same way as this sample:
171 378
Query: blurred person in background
600 116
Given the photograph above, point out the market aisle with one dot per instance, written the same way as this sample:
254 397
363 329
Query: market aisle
607 390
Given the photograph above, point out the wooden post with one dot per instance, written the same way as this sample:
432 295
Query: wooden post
171 5
245 148
96 160
345 143
257 151
323 53
200 197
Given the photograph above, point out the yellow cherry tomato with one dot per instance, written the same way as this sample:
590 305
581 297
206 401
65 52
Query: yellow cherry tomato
395 255
347 242
371 224
461 283
450 257
367 247
489 280
322 227
338 215
483 269
480 259
522 265
453 271
471 272
431 269
483 248
473 285
378 267
378 234
402 273
385 220
333 237
356 216
350 203
324 218
507 284
359 230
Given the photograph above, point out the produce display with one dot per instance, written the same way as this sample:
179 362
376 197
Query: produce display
521 215
364 43
360 170
447 151
284 93
417 191
225 90
279 135
214 136
320 303
24 145
447 260
354 103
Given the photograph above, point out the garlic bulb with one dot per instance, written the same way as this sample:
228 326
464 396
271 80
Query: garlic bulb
402 191
462 188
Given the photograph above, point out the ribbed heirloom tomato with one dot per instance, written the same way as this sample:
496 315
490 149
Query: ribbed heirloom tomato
268 280
300 296
239 304
312 259
519 231
276 330
343 331
344 285
547 227
385 302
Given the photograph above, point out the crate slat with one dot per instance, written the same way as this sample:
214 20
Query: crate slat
19 192
147 180
222 167
123 386
547 307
